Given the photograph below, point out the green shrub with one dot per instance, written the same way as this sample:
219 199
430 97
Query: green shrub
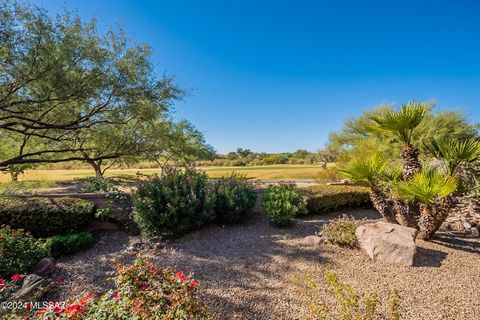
104 214
235 199
44 217
63 245
172 205
340 231
328 198
282 204
19 251
93 184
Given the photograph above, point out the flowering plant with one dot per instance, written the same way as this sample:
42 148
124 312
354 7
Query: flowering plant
143 292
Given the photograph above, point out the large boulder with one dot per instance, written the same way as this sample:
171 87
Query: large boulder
388 242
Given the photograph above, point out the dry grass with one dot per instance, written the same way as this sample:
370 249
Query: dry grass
274 172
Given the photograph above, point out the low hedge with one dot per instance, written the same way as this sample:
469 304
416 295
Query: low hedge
63 245
45 217
327 198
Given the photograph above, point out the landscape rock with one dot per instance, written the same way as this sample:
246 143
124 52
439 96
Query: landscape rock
33 288
45 267
388 242
313 241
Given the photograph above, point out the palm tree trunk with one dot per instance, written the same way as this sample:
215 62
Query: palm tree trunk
410 162
407 213
382 205
427 223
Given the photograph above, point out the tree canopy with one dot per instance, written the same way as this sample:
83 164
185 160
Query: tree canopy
68 92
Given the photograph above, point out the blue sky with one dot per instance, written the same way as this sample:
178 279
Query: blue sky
278 75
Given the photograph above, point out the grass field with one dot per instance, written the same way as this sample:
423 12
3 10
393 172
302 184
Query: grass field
274 172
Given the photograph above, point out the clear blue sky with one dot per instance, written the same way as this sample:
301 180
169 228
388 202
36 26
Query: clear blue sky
280 75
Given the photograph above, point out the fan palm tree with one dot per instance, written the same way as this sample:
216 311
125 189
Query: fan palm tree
454 152
431 189
402 123
368 170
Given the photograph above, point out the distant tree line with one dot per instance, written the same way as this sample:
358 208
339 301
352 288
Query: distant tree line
246 157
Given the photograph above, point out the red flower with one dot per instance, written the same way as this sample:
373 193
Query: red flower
153 270
115 295
193 283
181 276
144 286
58 310
59 280
76 308
28 306
16 276
2 283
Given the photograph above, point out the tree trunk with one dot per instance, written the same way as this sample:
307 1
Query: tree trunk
427 222
407 214
97 167
381 204
14 175
410 162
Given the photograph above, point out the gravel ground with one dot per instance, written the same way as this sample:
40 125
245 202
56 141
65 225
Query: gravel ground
246 271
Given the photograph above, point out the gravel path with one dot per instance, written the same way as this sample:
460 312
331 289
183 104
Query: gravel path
246 271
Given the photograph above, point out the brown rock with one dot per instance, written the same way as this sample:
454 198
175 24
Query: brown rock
33 287
388 242
45 267
313 241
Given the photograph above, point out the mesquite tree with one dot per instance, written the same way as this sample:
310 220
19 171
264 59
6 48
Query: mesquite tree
68 92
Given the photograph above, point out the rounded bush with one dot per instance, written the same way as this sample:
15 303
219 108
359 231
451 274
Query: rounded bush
45 217
19 251
174 204
282 204
340 231
235 199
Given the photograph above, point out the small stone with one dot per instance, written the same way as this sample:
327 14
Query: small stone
457 226
467 225
45 267
312 241
474 232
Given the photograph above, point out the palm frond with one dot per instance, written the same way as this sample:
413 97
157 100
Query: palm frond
364 168
454 152
427 187
400 122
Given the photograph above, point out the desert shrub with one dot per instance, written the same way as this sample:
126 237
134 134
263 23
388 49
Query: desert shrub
104 214
143 292
63 245
44 217
234 199
282 203
327 198
340 231
174 204
349 302
19 251
93 184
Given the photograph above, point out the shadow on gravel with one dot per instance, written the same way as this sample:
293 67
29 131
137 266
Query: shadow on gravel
457 242
428 258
